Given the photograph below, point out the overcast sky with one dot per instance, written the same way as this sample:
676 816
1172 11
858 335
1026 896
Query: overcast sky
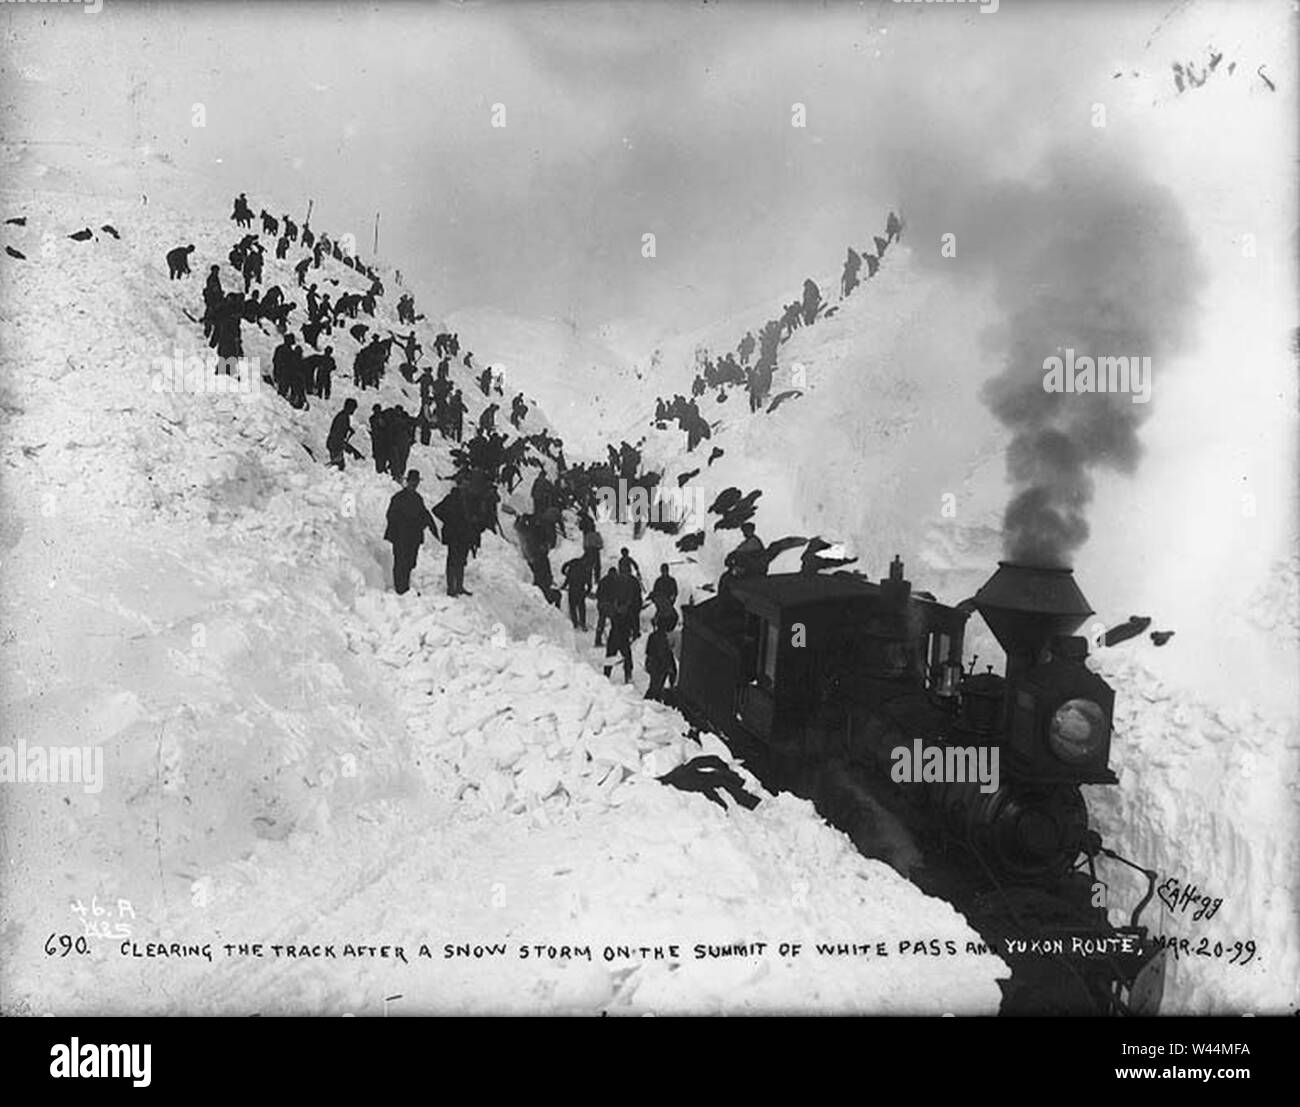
621 120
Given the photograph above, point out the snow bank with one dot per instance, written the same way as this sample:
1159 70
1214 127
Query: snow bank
295 756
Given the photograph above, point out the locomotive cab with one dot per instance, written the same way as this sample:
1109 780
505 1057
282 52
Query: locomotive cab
783 654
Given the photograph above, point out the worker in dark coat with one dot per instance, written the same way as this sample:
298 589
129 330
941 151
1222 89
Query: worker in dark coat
456 410
624 616
296 374
576 574
605 592
408 519
747 559
282 364
663 593
458 534
379 438
659 662
340 431
322 372
592 544
227 332
178 262
849 278
401 437
627 565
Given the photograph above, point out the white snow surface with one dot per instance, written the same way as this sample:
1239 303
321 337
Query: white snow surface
890 451
295 756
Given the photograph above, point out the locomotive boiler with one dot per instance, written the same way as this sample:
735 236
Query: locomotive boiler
853 693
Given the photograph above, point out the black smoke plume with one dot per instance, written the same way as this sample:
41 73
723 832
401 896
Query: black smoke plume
1090 256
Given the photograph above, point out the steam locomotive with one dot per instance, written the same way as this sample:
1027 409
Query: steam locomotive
853 694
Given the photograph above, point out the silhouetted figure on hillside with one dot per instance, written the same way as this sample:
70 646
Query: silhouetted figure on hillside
812 301
252 268
747 560
178 262
660 663
378 423
852 266
340 431
576 574
624 617
518 410
532 544
213 294
663 593
459 535
408 519
401 437
605 592
284 362
242 215
746 347
792 317
320 372
456 415
227 331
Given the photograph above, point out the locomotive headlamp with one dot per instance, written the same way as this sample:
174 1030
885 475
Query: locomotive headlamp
1077 730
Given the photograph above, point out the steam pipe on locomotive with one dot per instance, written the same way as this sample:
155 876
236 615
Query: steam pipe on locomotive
819 679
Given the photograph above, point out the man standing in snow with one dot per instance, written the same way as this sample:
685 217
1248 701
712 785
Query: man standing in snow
592 544
663 593
321 372
849 278
379 438
283 362
747 559
457 409
624 618
533 545
627 565
296 374
178 262
458 535
401 437
605 592
659 661
577 583
407 520
340 432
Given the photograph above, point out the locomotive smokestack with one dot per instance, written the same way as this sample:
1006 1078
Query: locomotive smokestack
1025 606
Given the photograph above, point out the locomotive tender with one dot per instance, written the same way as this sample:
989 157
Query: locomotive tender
825 683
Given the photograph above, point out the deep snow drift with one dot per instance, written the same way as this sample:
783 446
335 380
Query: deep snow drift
294 756
890 450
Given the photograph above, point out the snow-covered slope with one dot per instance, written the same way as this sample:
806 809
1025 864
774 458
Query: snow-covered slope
890 450
296 756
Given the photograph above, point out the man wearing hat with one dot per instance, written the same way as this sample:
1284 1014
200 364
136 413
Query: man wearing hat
407 520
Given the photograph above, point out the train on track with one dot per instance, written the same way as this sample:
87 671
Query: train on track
853 694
